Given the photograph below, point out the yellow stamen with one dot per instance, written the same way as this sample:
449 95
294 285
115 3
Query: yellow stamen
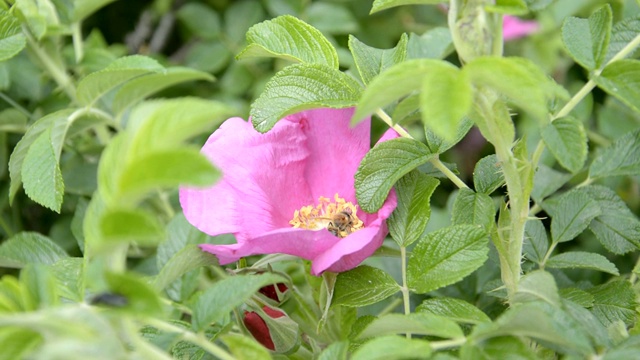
338 216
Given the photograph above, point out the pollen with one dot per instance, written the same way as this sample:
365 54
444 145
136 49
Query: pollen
339 216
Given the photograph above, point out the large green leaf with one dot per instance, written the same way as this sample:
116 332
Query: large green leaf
620 158
27 248
223 296
446 256
582 260
570 213
303 86
567 141
364 285
536 242
140 226
393 348
371 61
473 208
587 40
409 220
622 33
41 176
416 323
385 164
289 38
12 41
487 175
454 309
537 285
614 301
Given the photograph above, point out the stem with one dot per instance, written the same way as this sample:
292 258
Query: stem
76 32
17 106
405 289
548 254
447 344
389 308
435 160
196 339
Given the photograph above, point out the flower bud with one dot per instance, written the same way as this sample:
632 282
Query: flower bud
258 327
271 292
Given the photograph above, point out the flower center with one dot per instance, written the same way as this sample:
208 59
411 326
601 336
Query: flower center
338 216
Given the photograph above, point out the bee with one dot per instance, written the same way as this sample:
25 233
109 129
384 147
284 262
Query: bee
341 223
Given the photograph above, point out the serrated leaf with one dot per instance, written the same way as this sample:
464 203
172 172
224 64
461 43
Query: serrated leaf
487 175
622 33
570 213
139 88
537 285
619 159
614 301
510 76
587 40
223 296
394 83
96 84
577 296
41 176
383 165
446 256
393 348
29 247
536 242
473 208
371 61
582 260
416 323
189 258
379 5
617 228
118 225
409 220
438 145
300 87
445 100
163 169
454 309
567 141
292 39
621 79
12 41
364 285
546 181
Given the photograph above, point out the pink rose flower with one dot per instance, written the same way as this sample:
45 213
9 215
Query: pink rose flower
514 28
290 191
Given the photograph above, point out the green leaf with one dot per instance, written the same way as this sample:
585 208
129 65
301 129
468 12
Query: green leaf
211 56
299 87
513 7
292 39
587 40
84 8
435 43
416 323
547 181
474 209
409 220
371 61
141 298
28 248
379 5
12 120
12 41
625 350
118 225
393 348
41 176
141 87
570 213
200 19
96 84
621 79
187 259
69 273
239 16
223 296
446 256
455 309
619 158
163 169
364 285
396 82
438 145
496 348
582 260
567 141
577 296
537 285
383 165
617 228
332 18
244 348
445 99
622 34
487 175
510 77
17 342
336 351
536 242
614 301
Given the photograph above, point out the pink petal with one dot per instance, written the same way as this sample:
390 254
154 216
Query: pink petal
262 185
513 27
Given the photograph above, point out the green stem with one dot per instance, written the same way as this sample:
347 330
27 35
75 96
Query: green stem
77 41
17 106
405 289
548 254
435 160
196 339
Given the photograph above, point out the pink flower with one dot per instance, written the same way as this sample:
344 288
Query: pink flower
514 28
290 191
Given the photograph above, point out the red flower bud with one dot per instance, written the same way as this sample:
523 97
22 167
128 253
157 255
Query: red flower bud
270 291
258 328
